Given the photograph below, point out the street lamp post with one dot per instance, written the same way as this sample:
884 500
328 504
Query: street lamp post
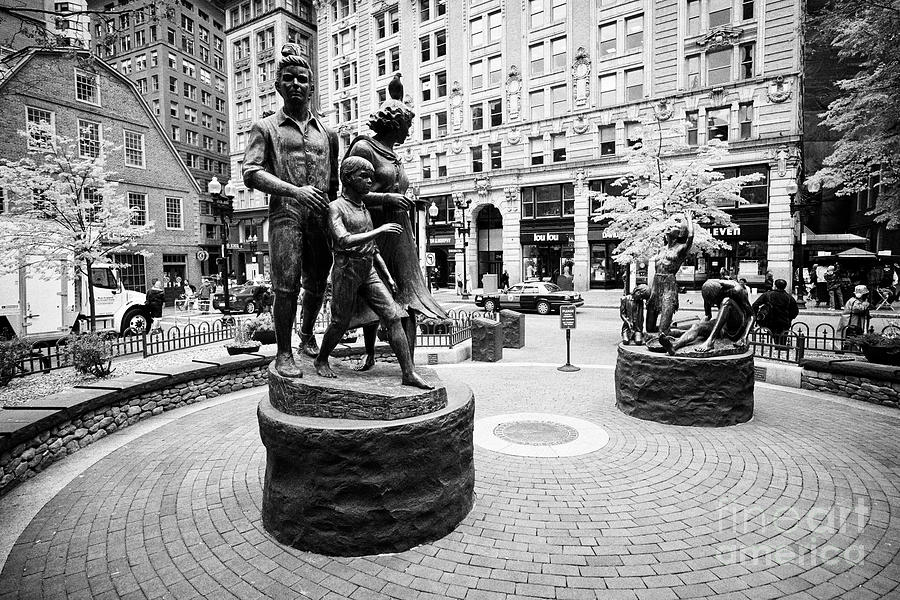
797 213
432 215
222 201
462 227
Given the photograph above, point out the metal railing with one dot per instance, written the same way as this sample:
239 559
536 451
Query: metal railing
455 329
802 342
178 338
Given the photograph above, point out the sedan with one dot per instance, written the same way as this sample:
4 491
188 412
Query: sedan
534 295
243 298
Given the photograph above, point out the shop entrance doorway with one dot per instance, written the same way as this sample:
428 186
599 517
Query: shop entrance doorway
489 225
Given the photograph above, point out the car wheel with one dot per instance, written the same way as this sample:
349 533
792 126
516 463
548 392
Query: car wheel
543 308
136 322
490 305
250 308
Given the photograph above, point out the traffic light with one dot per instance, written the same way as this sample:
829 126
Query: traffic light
228 207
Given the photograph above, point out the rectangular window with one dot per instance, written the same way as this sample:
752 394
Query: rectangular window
608 40
536 13
748 10
496 110
426 128
558 54
537 150
41 127
426 167
137 204
745 118
140 62
558 11
719 13
547 200
477 69
154 58
559 147
441 124
495 26
425 48
426 88
495 70
190 91
89 138
425 10
633 133
607 140
441 78
173 213
134 149
173 85
87 87
536 104
718 67
717 123
558 95
693 17
476 27
440 43
441 164
634 84
608 89
395 59
691 127
477 117
381 61
496 155
536 58
173 110
477 163
692 72
634 33
747 51
156 108
381 26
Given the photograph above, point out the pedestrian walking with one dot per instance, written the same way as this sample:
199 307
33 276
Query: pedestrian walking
855 318
833 284
156 297
775 310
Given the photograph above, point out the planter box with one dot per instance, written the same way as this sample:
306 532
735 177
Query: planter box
235 350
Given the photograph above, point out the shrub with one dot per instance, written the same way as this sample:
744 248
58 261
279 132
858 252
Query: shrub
11 354
91 353
261 323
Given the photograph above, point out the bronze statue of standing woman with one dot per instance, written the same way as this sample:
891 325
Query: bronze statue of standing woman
387 203
663 302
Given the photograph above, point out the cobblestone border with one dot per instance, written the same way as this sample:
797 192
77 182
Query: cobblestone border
38 433
858 380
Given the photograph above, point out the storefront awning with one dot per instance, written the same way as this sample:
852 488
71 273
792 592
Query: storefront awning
810 238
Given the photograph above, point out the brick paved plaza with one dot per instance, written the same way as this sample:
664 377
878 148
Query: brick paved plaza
801 502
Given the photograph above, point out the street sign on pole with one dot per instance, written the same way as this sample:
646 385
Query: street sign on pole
430 259
567 322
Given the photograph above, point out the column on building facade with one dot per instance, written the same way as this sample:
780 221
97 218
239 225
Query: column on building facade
512 244
580 271
780 253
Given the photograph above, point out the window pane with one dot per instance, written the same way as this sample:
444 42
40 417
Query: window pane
719 13
634 32
536 56
536 102
607 40
634 84
718 67
717 123
608 90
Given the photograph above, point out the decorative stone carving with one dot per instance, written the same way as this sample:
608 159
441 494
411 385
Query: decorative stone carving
407 100
482 185
266 54
580 178
407 154
344 129
784 155
720 37
513 93
663 109
241 94
456 108
514 136
717 96
779 90
511 197
456 146
581 124
581 76
241 63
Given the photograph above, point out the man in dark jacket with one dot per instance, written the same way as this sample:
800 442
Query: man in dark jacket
781 310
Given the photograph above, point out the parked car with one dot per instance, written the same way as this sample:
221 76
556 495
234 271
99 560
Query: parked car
542 296
244 298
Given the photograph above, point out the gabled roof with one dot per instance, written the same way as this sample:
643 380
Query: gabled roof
15 62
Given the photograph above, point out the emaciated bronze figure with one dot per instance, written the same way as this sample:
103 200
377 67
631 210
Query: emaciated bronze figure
631 310
292 156
663 301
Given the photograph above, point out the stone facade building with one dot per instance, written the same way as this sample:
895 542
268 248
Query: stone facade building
178 65
528 110
85 99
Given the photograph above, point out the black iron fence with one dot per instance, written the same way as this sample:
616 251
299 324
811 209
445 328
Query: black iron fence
178 338
803 342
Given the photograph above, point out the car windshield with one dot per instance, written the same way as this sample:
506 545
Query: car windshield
551 287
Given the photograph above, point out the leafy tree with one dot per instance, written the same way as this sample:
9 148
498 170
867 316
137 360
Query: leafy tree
661 184
866 36
63 209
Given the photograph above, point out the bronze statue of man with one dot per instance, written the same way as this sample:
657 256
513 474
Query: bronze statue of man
293 156
357 266
631 310
663 302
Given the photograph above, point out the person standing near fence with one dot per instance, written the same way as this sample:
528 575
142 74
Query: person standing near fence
775 310
156 297
833 283
855 318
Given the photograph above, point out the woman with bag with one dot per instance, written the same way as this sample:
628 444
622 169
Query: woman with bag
855 318
775 310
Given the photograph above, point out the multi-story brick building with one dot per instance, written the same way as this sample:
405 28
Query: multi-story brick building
256 32
528 110
85 99
43 23
178 65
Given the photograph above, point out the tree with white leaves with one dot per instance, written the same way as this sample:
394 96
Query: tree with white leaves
663 183
63 209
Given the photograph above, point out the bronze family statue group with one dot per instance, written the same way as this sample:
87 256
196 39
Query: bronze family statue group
726 334
363 237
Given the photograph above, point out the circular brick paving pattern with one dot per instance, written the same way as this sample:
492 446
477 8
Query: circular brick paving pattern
801 501
536 433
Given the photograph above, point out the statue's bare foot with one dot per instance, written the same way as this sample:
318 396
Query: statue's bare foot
285 365
366 364
309 346
666 342
324 369
414 380
703 348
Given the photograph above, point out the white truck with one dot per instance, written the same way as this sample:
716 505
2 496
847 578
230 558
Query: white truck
45 309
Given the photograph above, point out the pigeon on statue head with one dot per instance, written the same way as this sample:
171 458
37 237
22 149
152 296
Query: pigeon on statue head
395 88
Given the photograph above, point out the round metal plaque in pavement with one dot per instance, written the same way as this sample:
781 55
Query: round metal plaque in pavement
538 434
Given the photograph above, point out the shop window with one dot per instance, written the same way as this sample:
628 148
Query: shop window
548 200
756 192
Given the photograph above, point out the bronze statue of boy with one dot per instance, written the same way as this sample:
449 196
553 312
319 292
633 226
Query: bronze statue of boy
293 156
631 310
357 264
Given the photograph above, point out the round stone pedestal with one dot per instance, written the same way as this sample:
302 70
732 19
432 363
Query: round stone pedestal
350 486
678 390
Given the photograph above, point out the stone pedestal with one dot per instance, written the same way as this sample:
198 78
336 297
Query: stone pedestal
385 479
513 324
679 390
487 340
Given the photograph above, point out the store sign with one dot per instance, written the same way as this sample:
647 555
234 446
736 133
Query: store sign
545 238
438 240
726 231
